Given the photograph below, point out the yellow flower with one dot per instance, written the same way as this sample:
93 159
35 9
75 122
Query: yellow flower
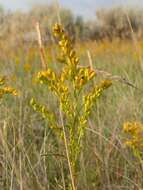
135 132
8 90
132 128
2 81
27 67
57 29
68 53
46 76
105 84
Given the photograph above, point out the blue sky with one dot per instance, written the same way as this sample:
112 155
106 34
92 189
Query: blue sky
82 7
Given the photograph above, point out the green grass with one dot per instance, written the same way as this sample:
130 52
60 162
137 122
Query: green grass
29 151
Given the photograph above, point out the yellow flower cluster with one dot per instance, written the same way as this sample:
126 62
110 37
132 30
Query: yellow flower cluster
68 54
135 132
42 109
83 76
5 89
80 76
46 114
2 81
46 76
58 87
90 99
65 45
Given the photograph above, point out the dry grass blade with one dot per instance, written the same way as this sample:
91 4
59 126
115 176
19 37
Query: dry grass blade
41 47
67 152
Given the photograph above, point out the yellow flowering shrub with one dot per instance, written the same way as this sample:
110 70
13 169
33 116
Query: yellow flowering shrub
75 96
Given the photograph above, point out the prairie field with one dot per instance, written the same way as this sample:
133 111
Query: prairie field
33 156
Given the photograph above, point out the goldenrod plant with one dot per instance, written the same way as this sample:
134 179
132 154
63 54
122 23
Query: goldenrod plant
76 94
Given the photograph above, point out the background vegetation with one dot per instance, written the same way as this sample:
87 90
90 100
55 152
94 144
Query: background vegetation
108 23
29 154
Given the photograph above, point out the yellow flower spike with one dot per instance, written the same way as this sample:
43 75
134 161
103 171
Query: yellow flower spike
57 30
106 84
65 74
8 90
72 54
90 99
84 75
63 89
45 76
91 74
2 81
66 46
